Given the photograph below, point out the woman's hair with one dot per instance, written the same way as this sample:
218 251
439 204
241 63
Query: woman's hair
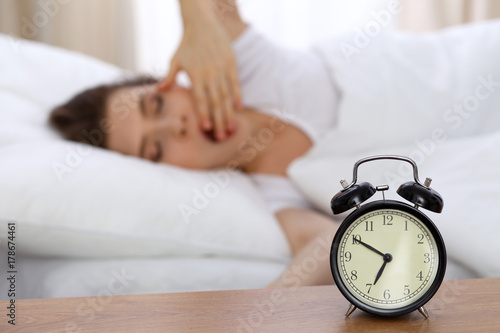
80 118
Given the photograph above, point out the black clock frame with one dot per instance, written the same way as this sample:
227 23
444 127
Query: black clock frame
389 204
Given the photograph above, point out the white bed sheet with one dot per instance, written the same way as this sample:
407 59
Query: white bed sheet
67 277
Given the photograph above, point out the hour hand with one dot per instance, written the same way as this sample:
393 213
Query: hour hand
387 258
368 246
379 274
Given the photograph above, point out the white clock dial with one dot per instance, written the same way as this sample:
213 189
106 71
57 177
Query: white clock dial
387 258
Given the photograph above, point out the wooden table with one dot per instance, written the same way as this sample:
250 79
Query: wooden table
459 306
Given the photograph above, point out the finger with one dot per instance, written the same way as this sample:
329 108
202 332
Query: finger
170 79
227 106
235 88
202 103
217 113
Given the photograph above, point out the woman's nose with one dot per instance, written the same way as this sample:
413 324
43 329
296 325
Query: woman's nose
171 126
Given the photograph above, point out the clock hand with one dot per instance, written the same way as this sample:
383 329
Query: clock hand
379 274
387 258
369 247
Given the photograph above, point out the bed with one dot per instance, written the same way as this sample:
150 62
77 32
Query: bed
88 223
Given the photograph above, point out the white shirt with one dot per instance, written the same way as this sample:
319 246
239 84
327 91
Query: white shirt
292 85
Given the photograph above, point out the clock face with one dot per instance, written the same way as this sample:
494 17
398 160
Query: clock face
388 258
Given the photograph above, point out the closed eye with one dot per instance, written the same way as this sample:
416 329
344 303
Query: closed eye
159 108
159 103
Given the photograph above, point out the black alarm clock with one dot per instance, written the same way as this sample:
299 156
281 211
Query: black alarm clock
387 257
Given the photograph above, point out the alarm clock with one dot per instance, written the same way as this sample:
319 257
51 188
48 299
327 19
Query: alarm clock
387 257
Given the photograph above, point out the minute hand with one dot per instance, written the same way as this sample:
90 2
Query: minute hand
369 247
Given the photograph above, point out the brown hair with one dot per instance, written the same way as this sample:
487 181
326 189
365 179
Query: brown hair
81 118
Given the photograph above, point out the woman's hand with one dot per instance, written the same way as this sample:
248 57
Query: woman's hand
206 55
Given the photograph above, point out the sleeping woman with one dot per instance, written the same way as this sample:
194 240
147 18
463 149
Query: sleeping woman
288 101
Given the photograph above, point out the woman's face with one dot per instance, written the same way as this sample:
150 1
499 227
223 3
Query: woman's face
163 127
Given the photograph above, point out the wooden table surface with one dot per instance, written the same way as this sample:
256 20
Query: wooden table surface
459 306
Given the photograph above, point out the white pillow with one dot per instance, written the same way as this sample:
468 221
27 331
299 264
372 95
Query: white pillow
74 200
402 88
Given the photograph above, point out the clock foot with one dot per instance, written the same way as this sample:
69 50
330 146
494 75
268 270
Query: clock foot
423 311
350 310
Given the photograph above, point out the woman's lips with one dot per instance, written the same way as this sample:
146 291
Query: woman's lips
208 135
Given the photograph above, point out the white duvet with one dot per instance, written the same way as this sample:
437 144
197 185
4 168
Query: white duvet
436 99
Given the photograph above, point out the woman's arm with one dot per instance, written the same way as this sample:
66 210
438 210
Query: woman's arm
310 235
206 55
229 16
